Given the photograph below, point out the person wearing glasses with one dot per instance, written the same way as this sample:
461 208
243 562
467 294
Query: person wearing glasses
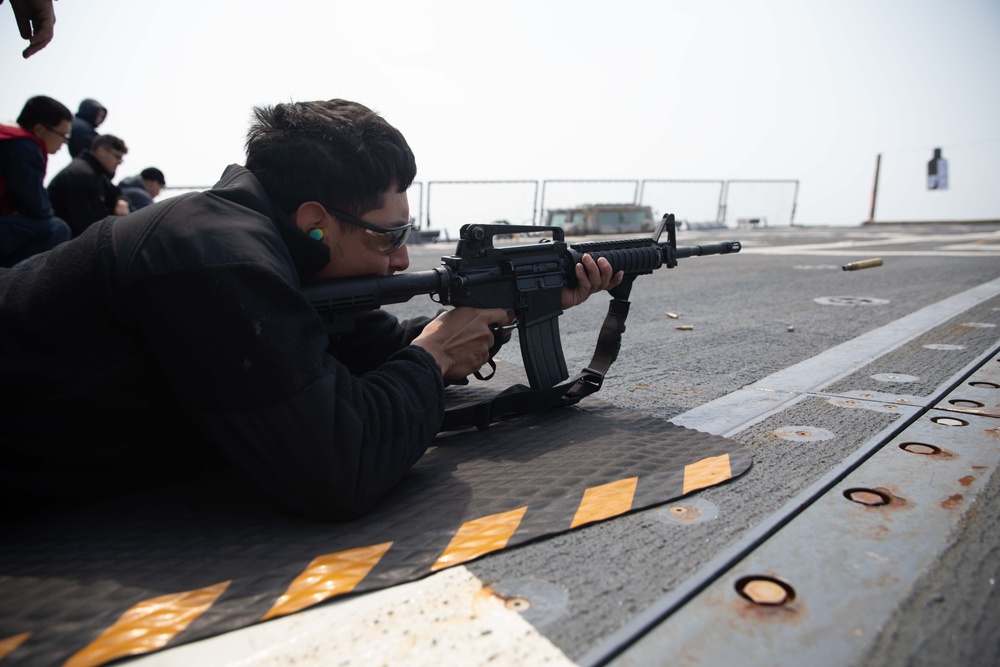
83 193
156 343
28 224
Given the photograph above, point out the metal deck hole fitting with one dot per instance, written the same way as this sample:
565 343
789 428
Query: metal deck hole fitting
541 603
764 590
920 448
964 403
803 433
518 604
949 421
869 497
985 385
694 510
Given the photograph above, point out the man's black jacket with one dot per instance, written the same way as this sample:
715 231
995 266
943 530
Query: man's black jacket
22 166
82 193
158 340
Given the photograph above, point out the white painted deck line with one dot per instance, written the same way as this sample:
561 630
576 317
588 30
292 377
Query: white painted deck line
733 412
445 619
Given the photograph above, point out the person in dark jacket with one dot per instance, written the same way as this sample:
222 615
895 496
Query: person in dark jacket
88 118
157 341
83 193
27 223
142 189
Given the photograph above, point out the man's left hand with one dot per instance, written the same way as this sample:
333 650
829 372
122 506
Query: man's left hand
591 277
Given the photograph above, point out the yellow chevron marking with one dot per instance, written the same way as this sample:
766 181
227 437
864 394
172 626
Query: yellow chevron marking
480 536
605 501
8 644
706 472
147 626
327 576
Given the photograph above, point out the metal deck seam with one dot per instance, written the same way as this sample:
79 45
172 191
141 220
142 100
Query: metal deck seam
618 642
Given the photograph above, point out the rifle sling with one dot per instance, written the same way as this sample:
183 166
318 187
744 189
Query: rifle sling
519 399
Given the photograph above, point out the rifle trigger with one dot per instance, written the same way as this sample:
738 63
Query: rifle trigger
501 336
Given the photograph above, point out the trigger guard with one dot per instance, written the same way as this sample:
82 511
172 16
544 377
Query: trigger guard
500 338
493 365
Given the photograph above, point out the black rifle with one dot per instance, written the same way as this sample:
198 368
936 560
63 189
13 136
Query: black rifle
525 278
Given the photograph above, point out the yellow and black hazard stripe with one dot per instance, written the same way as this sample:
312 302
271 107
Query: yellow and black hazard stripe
153 623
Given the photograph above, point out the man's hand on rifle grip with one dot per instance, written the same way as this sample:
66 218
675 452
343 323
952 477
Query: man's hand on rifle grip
460 340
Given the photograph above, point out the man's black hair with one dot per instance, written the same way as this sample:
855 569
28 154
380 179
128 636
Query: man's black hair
339 153
153 174
109 142
43 110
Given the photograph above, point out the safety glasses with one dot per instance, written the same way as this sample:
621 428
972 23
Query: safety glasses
65 137
390 239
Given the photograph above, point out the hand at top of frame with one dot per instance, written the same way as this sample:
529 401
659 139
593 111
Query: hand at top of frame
36 20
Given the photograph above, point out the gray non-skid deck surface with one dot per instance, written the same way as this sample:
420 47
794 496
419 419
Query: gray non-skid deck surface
635 560
65 577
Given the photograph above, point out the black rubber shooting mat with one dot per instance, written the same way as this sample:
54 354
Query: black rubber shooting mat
182 562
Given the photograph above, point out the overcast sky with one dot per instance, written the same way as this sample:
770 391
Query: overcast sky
553 89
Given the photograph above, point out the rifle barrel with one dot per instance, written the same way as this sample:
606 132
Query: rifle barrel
721 248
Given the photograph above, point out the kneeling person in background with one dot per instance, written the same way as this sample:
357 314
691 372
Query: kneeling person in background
28 225
141 190
83 193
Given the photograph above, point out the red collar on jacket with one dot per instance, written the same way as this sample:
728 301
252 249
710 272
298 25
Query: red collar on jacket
18 132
